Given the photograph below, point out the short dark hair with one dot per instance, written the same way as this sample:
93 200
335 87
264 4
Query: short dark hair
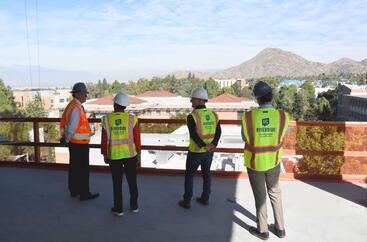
267 98
117 106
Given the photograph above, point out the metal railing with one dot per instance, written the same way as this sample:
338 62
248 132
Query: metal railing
291 144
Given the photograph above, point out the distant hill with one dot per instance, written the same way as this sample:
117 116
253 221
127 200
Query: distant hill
183 74
345 65
277 62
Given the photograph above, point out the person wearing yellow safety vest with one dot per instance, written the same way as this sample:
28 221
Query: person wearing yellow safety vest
121 149
205 131
263 130
75 133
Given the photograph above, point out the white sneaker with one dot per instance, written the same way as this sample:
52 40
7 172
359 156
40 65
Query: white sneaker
135 210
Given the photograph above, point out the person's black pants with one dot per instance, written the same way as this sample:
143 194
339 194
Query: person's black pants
117 168
79 169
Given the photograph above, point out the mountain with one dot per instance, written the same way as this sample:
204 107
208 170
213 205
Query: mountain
277 62
272 62
345 65
184 74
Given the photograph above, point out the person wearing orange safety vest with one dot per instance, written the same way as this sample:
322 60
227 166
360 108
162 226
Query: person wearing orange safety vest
121 149
205 131
263 130
75 133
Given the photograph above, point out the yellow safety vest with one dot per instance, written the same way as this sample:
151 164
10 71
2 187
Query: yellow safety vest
264 130
120 136
206 124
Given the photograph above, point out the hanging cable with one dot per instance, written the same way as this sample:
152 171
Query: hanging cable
38 45
28 45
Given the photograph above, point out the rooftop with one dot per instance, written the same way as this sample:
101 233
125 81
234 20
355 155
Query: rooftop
227 98
107 100
35 206
157 93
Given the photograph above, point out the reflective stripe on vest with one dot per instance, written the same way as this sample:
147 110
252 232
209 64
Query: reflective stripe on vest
121 145
205 133
270 151
82 132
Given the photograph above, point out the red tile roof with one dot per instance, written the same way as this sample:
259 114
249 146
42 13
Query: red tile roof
157 93
107 100
227 98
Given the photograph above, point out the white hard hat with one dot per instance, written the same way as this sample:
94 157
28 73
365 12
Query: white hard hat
199 93
121 99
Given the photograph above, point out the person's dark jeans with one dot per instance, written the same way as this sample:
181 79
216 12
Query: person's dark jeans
117 168
78 179
193 161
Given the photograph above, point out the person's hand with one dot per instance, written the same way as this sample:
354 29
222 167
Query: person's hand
210 147
63 141
105 159
138 162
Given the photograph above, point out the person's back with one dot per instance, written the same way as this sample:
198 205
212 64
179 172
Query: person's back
263 130
120 146
205 131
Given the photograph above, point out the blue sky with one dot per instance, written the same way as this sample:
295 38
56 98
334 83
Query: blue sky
122 39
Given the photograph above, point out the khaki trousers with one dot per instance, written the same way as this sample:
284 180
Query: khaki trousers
262 183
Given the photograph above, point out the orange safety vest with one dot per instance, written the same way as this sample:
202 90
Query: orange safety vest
82 132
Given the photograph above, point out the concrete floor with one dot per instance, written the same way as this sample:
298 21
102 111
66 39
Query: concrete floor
35 206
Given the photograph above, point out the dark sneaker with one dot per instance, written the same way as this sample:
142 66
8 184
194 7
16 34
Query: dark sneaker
90 196
116 212
184 204
280 232
202 201
255 232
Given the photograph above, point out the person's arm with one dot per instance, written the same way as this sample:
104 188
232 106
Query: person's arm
192 130
218 133
71 128
104 142
137 139
242 134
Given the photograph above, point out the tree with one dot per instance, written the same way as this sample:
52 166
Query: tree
12 131
327 103
228 90
285 98
35 108
212 87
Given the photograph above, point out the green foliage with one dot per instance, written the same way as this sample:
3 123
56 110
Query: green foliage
11 130
317 138
212 87
35 108
285 98
228 90
327 103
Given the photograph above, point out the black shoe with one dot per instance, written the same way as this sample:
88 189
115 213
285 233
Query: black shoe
184 204
74 194
280 232
117 212
90 196
255 232
202 201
